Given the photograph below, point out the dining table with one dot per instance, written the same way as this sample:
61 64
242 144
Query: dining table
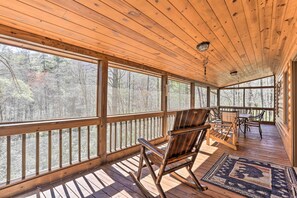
243 118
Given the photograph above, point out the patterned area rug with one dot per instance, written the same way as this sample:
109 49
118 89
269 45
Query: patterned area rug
253 178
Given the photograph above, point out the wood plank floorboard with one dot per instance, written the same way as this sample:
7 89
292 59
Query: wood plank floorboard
113 180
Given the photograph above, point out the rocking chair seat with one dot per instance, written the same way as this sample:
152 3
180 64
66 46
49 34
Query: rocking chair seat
216 134
171 164
226 131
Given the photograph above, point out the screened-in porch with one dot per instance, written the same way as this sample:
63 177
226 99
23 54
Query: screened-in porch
94 92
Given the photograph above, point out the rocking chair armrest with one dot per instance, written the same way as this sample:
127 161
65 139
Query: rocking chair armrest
151 147
187 130
223 125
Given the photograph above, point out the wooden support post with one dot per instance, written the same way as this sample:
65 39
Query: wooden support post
218 98
102 104
243 98
164 94
294 111
192 104
208 97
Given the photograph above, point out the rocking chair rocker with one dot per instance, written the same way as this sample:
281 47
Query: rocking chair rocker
181 151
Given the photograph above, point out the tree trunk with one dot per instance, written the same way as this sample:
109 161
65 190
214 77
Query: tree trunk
115 90
147 93
262 100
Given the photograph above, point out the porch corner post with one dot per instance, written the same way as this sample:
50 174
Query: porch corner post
164 94
102 107
294 112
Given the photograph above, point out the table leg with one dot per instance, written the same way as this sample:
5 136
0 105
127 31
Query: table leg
244 129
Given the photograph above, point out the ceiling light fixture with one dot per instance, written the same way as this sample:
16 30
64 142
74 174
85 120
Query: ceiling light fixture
233 73
203 46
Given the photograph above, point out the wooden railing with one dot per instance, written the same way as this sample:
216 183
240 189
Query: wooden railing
268 116
123 131
34 148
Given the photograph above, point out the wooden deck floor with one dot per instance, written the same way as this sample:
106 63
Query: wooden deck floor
113 180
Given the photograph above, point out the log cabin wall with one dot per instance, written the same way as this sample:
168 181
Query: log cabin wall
286 102
283 96
286 108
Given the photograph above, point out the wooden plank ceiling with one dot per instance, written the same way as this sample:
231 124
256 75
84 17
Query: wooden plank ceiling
253 37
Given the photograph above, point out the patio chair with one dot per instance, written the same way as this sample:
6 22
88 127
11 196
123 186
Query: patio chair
214 115
255 121
181 151
225 132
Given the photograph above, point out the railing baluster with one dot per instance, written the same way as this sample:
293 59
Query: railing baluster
160 126
157 126
79 144
60 148
8 162
147 129
152 128
135 131
23 156
49 150
88 141
121 134
143 128
110 137
158 120
115 136
139 128
70 145
131 132
37 153
126 132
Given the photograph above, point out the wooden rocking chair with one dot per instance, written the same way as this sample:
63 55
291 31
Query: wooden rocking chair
181 151
226 131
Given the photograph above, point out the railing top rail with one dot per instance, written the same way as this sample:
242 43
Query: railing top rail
255 87
171 112
120 118
30 127
259 108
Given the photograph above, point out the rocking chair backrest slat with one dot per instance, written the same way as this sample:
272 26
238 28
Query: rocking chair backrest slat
185 143
229 116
